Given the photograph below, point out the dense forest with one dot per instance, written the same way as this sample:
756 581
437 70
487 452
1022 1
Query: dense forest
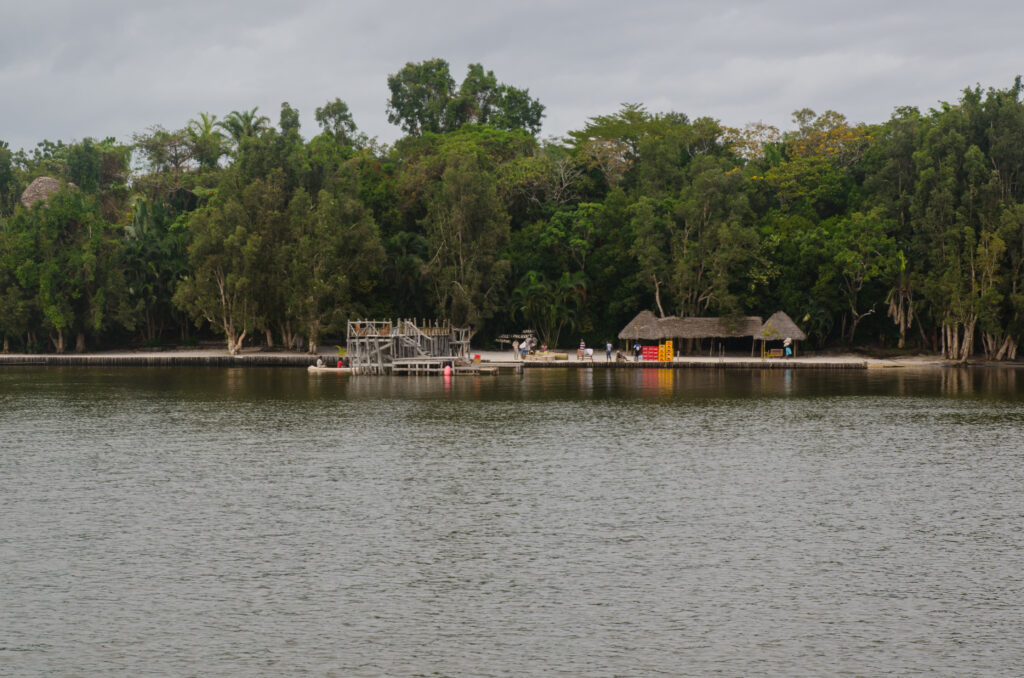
904 235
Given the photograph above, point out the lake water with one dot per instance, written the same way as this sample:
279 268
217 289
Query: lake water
267 522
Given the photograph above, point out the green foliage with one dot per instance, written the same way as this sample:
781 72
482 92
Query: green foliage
207 142
246 229
424 100
8 182
65 262
242 125
336 120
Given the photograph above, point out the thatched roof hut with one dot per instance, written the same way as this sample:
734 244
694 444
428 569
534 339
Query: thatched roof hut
41 189
646 326
643 326
780 326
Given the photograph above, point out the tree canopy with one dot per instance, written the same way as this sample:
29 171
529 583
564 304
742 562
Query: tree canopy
904 235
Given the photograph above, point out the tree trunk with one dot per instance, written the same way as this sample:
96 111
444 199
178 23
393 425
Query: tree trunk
1004 349
951 337
238 343
314 337
967 347
270 338
233 341
286 335
58 343
856 317
80 343
988 345
657 296
7 345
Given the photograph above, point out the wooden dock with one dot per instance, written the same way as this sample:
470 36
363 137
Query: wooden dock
420 365
432 365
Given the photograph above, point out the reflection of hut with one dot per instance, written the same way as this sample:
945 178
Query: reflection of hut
42 188
779 328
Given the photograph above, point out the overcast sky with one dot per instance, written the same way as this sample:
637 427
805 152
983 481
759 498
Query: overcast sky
73 68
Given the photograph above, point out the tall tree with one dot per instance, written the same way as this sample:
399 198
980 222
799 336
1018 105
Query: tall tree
206 139
241 125
467 229
336 120
424 99
421 97
335 255
224 258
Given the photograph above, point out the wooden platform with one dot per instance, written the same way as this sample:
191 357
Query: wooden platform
477 369
430 365
422 365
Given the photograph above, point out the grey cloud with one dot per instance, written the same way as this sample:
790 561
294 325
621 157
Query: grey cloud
72 69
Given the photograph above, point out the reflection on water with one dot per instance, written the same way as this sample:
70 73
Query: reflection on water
559 522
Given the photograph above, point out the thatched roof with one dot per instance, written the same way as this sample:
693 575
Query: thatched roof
704 328
651 328
40 189
643 326
779 327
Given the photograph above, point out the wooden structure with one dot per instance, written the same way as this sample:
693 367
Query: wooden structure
779 328
647 327
406 346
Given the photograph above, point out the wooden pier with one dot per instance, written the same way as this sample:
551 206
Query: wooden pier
404 366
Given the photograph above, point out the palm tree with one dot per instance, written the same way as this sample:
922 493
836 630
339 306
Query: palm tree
208 143
244 124
550 306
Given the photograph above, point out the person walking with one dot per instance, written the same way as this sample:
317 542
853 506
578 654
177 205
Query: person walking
581 351
637 349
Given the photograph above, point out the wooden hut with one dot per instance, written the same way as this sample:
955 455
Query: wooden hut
778 328
648 327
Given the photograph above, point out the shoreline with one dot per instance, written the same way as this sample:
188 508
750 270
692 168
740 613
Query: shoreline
257 358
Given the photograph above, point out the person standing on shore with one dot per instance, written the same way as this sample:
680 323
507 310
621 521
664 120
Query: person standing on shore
637 349
607 351
515 350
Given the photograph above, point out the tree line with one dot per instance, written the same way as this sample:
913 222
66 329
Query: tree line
908 234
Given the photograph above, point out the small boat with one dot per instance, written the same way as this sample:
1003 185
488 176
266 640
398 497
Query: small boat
324 369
